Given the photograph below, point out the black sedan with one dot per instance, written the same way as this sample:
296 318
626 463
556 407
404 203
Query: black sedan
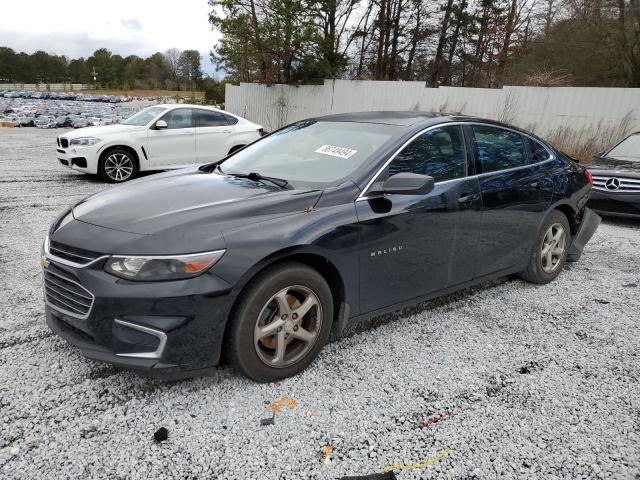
263 257
616 179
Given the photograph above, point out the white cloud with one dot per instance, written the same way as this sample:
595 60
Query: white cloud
79 27
131 23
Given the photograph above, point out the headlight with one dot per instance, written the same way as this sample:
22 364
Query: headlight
155 268
84 141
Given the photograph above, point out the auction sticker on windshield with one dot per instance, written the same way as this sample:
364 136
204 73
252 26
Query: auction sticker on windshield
341 152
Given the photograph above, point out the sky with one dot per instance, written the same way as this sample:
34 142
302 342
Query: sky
77 28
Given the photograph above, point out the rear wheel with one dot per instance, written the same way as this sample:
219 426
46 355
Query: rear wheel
550 250
117 166
281 323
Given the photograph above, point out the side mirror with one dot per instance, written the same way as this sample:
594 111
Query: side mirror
406 184
161 124
598 154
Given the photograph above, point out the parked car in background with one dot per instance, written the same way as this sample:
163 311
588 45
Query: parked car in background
328 221
616 179
161 137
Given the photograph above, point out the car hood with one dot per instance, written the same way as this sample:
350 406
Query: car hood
101 131
614 164
190 202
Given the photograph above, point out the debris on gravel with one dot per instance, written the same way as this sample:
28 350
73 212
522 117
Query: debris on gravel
573 414
161 434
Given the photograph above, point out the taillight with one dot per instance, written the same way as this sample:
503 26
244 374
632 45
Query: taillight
588 176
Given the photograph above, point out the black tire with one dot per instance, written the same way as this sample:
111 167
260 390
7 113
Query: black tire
541 270
247 354
105 166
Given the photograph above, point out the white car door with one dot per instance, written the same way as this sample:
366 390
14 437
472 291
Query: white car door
174 145
213 133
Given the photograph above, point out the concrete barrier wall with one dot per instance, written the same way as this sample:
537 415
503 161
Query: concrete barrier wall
42 87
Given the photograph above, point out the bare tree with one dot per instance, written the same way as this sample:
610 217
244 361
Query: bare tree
172 56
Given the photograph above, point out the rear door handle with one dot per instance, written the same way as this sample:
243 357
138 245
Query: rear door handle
534 184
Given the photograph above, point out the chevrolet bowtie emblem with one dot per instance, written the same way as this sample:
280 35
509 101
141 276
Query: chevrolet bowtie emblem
44 263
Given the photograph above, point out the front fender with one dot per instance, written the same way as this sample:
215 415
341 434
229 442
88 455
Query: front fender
329 233
137 147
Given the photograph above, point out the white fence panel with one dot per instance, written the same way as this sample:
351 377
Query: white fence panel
542 110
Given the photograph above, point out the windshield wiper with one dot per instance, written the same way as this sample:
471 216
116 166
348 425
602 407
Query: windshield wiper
280 182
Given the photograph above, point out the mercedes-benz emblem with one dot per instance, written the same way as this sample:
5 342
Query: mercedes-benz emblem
612 184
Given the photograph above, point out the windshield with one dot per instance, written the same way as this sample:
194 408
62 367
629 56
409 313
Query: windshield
311 152
143 117
628 149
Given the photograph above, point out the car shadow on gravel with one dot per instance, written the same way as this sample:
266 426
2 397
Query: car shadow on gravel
622 222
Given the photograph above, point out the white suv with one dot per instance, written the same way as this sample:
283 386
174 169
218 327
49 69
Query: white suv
161 137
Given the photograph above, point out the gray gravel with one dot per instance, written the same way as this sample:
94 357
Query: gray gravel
542 381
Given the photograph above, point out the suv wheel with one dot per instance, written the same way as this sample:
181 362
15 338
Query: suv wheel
117 166
281 323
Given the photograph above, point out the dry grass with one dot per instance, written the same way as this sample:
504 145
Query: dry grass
583 143
548 78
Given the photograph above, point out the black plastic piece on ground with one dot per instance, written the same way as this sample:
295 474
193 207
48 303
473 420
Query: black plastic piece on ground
268 421
161 434
374 476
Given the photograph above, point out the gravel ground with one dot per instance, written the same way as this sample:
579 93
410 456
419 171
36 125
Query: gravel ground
541 381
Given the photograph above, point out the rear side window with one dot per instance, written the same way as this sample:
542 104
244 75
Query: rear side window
209 118
537 151
439 153
499 149
179 118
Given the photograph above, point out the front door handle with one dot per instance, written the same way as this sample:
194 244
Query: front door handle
534 184
468 198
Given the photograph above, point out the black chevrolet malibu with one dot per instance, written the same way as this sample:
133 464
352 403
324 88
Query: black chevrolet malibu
616 179
262 258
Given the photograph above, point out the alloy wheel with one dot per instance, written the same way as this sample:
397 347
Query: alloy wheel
118 167
553 247
288 326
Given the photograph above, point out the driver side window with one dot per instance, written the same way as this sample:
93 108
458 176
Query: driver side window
439 153
179 118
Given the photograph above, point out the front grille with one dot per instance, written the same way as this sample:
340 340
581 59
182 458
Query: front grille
64 143
616 184
72 254
67 295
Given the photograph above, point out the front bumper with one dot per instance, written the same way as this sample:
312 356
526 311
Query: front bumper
82 159
166 329
615 204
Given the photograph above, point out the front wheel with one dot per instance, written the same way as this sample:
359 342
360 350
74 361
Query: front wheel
117 166
550 250
281 323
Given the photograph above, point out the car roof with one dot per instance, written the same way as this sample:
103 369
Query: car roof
415 120
186 105
173 106
394 117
